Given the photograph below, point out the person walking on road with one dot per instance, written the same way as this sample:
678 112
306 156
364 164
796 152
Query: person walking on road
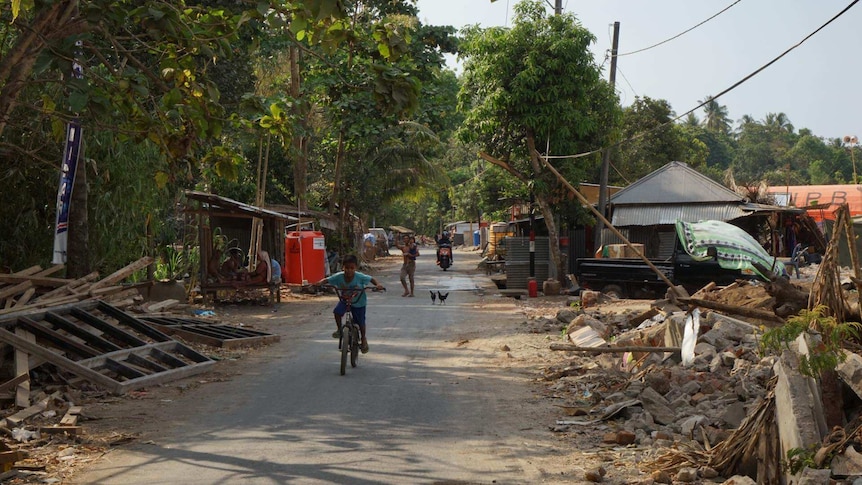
410 252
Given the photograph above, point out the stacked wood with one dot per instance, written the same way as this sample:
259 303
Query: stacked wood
34 288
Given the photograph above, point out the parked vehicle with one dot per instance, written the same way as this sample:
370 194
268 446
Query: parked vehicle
633 278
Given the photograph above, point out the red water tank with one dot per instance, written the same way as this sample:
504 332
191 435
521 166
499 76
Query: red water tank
304 257
532 288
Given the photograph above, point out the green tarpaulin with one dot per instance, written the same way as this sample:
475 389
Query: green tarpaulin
735 248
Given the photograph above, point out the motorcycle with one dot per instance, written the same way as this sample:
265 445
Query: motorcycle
444 256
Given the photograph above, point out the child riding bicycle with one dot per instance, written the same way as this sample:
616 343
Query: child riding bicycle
349 278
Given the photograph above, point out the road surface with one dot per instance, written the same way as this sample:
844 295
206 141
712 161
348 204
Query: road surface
419 408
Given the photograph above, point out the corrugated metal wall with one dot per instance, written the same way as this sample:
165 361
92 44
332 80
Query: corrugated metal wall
518 261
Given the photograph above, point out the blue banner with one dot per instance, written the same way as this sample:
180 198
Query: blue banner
67 180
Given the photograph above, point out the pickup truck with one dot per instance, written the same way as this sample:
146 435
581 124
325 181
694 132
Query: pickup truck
633 278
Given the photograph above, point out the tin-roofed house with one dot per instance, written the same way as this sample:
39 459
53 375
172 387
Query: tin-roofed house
646 211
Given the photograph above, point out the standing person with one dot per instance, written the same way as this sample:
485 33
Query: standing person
349 278
410 252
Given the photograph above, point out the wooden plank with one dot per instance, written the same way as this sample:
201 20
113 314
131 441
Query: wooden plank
91 339
12 456
147 349
162 377
65 290
56 338
733 309
123 273
17 418
161 305
60 429
24 298
13 383
59 360
36 280
613 350
15 289
123 370
132 322
38 313
71 416
107 328
144 363
53 269
22 368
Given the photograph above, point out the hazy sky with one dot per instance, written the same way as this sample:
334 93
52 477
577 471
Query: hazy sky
817 85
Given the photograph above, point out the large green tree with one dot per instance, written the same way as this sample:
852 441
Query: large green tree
534 90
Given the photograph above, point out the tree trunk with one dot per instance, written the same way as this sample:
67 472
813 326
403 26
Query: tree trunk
78 253
336 177
554 238
300 164
17 65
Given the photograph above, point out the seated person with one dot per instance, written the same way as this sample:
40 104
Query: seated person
231 269
262 273
213 273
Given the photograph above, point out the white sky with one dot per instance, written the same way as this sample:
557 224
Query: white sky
817 85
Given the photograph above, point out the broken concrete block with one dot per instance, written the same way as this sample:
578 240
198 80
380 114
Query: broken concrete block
690 424
850 371
657 406
690 388
566 316
686 475
739 480
810 476
798 409
729 327
733 414
658 381
848 463
661 476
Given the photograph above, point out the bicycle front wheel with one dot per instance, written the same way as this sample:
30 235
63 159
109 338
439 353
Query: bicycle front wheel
354 346
345 346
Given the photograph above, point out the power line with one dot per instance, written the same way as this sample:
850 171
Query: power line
706 101
626 80
681 33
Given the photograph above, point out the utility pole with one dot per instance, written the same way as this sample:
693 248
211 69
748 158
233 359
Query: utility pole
606 155
558 7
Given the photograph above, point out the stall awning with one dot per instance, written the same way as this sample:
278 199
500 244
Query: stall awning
227 206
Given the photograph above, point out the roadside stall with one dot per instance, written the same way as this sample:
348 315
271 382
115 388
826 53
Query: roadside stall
226 227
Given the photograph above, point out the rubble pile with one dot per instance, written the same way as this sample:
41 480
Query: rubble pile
695 398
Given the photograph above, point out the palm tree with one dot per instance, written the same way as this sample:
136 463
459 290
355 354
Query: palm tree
691 120
717 118
778 121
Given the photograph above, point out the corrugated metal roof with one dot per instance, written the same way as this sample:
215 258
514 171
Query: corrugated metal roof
660 214
675 183
233 206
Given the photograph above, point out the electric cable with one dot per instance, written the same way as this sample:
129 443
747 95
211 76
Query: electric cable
725 9
722 93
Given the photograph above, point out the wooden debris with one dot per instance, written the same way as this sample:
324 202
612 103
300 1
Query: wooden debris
59 429
122 273
16 419
71 416
733 309
615 350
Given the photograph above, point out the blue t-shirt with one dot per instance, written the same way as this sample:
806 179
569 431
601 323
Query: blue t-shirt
359 281
276 271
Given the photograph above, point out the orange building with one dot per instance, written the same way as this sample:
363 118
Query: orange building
820 200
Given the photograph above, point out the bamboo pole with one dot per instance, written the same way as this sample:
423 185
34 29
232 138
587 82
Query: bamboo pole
608 224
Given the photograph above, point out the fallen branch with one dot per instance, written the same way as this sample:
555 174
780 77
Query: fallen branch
613 350
733 309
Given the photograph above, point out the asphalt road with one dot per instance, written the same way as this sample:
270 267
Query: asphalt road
417 409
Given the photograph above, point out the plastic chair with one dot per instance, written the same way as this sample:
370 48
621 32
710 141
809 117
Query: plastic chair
793 262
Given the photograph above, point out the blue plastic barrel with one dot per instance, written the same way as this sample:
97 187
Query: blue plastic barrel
476 239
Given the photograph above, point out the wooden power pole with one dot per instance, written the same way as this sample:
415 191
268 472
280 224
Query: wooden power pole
606 154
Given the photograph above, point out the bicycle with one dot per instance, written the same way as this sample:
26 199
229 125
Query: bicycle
348 341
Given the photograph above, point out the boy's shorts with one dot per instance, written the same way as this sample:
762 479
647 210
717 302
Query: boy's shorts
358 313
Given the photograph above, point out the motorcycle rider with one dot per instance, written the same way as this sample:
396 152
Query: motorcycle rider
441 240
